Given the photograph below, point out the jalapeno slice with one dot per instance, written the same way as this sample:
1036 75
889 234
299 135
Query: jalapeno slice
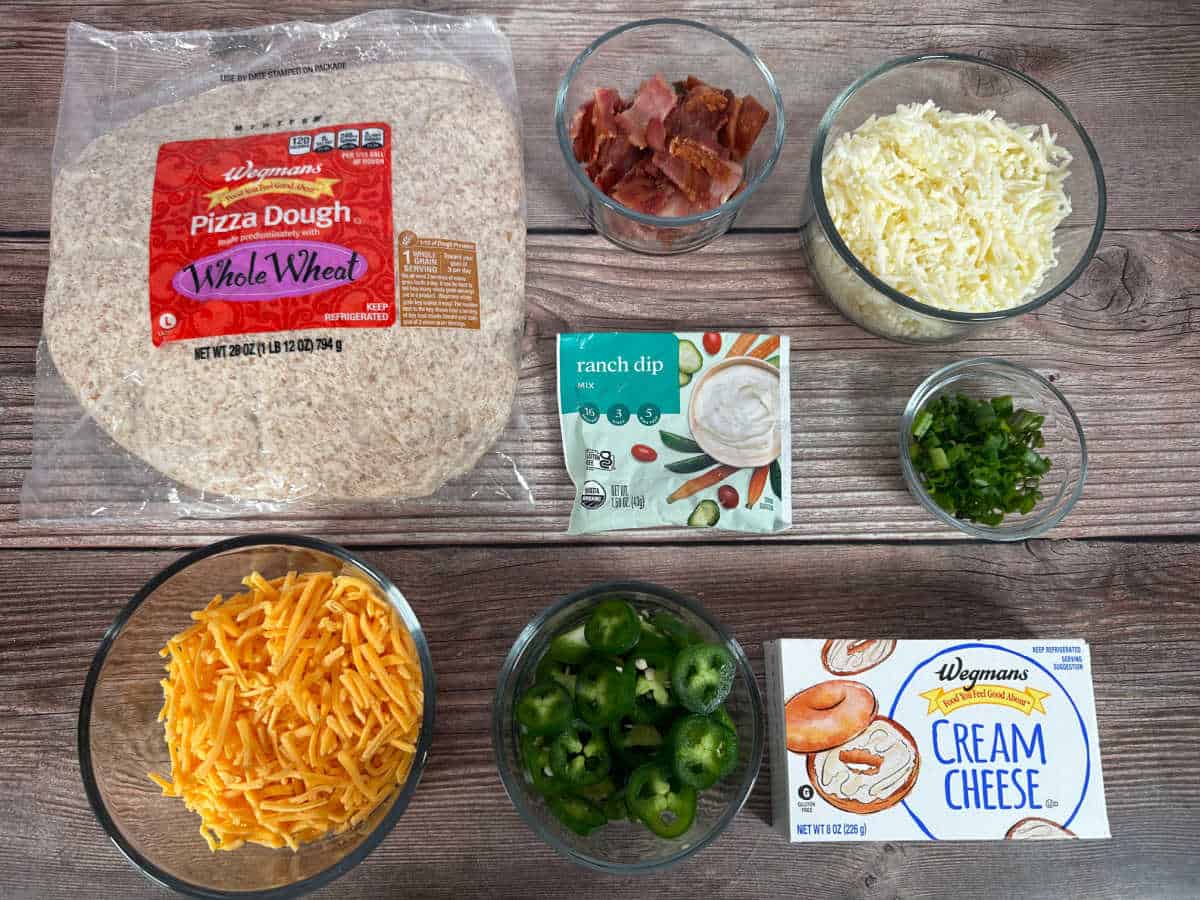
702 677
580 756
721 714
634 743
703 751
577 813
535 753
613 627
561 673
545 708
677 633
571 646
653 699
653 640
615 808
599 792
604 691
659 800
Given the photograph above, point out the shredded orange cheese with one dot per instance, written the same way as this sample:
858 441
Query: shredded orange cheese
290 711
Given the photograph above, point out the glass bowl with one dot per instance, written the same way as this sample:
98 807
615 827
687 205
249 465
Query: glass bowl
984 378
120 738
625 847
624 58
962 84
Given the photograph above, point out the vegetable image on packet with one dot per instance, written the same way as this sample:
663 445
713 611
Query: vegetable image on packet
688 429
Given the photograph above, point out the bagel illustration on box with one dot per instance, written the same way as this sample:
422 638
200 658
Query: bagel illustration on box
1034 828
870 772
858 761
850 657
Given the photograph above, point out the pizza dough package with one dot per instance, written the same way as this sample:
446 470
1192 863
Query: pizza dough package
287 271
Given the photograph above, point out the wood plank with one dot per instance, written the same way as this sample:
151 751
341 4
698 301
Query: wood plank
1123 346
461 836
1128 72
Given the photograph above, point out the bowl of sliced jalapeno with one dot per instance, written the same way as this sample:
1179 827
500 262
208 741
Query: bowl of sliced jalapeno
628 727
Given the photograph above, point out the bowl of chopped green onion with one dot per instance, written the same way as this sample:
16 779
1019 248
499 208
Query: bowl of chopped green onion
993 449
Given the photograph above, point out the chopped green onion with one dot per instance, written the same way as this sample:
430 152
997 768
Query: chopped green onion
921 424
978 459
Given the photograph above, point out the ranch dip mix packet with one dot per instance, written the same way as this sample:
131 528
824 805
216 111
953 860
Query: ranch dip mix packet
664 429
898 740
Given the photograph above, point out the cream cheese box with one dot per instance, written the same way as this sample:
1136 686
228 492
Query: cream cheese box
893 740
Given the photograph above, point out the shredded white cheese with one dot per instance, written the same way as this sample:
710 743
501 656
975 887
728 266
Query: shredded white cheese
956 210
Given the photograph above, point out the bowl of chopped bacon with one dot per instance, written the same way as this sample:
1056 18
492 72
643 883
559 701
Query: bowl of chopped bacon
667 128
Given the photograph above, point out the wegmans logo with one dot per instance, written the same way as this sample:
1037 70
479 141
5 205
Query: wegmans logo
971 692
250 172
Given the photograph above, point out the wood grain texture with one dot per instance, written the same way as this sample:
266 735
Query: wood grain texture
461 836
1123 345
1127 71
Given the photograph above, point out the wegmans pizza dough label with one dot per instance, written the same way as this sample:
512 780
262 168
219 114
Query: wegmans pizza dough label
885 740
273 232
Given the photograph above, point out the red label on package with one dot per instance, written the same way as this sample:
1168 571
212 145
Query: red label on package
273 232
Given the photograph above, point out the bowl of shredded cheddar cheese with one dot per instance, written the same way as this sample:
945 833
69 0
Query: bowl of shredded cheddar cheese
257 718
947 193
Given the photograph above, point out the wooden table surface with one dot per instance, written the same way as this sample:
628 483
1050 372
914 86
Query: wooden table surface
1123 570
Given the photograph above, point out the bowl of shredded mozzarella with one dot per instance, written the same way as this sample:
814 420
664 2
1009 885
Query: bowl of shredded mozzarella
946 193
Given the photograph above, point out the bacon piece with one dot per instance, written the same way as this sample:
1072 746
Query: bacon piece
695 183
687 84
654 100
678 205
701 187
701 150
612 154
706 154
613 163
703 109
606 103
743 128
726 134
725 184
656 135
646 190
583 133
